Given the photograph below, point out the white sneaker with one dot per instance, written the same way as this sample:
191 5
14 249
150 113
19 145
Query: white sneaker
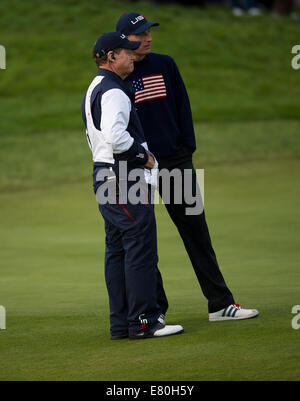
168 331
237 12
294 16
159 330
232 312
254 11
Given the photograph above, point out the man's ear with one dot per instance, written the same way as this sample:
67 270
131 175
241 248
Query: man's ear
111 57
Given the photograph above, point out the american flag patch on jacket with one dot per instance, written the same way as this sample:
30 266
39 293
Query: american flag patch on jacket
149 87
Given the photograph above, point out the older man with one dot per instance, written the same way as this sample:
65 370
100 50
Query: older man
164 110
115 136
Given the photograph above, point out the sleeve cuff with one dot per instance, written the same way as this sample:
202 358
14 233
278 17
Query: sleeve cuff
136 154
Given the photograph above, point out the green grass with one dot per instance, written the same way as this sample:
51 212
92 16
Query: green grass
233 68
57 157
52 249
245 102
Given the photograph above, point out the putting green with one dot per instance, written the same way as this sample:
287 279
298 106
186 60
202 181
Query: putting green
53 289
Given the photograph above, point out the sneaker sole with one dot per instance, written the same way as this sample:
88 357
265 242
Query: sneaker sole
169 334
155 336
221 318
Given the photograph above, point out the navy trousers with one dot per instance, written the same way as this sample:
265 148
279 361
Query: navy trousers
196 238
131 265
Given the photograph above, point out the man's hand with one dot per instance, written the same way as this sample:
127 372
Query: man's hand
151 162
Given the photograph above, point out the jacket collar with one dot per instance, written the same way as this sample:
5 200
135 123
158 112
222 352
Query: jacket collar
109 74
115 77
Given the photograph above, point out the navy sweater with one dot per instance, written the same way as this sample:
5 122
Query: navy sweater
166 116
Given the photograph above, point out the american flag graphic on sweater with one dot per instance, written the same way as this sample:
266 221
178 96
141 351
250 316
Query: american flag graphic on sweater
149 87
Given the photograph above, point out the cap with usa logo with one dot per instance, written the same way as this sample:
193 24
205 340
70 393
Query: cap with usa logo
113 40
133 23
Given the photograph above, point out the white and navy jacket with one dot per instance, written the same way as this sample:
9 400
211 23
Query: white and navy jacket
113 129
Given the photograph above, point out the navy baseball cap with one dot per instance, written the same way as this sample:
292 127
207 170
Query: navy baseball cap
133 23
113 40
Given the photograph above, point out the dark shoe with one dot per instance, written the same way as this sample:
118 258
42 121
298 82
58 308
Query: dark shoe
118 336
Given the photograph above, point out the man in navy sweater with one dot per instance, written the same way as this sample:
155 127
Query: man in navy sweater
164 110
115 136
